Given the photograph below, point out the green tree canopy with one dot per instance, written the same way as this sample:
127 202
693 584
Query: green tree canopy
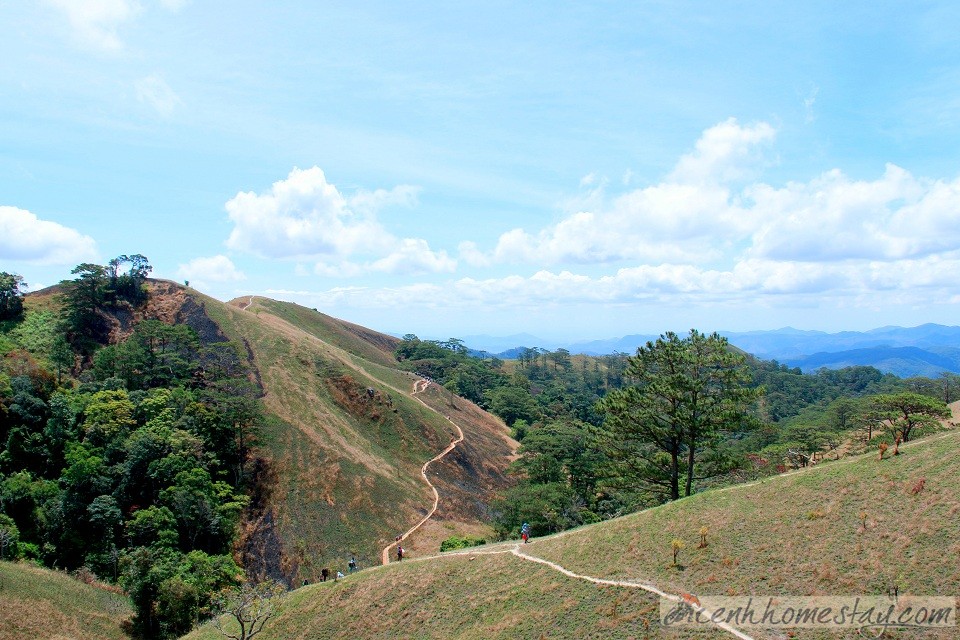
11 295
907 411
686 392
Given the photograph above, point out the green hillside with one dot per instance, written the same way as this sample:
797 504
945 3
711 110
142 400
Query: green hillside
859 526
38 603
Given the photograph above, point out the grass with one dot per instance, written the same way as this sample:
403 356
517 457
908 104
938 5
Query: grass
798 534
490 597
761 540
38 603
347 460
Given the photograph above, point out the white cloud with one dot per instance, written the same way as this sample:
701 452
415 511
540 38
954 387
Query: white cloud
201 271
472 255
697 216
414 257
724 153
96 21
23 236
834 218
306 217
851 284
154 91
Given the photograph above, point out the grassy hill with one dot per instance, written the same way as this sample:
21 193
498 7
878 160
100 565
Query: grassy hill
338 462
856 526
37 603
345 448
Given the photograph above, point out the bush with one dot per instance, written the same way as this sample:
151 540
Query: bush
461 542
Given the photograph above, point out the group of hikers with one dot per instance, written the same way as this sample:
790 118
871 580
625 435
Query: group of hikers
325 573
352 565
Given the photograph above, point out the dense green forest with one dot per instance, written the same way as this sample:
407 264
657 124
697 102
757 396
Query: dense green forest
125 459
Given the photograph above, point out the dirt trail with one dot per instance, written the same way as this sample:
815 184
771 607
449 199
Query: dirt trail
249 302
418 387
514 549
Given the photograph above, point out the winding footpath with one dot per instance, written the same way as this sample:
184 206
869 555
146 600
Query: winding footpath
418 387
515 550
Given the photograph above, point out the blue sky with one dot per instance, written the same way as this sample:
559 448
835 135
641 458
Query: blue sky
574 171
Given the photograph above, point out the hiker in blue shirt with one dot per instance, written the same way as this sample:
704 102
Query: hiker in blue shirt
525 532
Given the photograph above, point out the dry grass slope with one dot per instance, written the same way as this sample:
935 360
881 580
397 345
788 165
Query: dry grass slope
347 448
36 603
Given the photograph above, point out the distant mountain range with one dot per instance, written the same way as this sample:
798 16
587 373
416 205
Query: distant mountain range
927 350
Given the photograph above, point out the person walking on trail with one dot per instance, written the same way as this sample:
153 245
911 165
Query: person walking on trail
324 574
399 553
352 565
525 532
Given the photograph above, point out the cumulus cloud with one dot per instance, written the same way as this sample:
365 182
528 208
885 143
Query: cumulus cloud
725 152
834 218
703 214
201 271
24 236
305 217
154 91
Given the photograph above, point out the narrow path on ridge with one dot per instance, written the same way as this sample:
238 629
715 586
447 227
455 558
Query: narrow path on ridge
418 387
689 599
249 302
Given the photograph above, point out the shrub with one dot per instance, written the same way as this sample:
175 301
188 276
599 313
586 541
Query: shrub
676 545
703 537
461 542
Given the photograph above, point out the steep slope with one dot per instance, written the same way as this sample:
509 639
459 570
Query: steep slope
38 603
342 459
857 526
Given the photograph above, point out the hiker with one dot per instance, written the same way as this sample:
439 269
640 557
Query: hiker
339 575
399 553
324 574
525 533
352 564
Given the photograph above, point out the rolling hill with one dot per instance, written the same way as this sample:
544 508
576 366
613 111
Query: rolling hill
856 526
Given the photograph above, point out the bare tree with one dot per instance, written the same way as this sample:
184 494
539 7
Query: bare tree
249 607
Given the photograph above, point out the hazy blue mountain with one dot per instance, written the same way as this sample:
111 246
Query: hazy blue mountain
901 361
928 349
787 343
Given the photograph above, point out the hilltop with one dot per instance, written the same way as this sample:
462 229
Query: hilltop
336 471
857 526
